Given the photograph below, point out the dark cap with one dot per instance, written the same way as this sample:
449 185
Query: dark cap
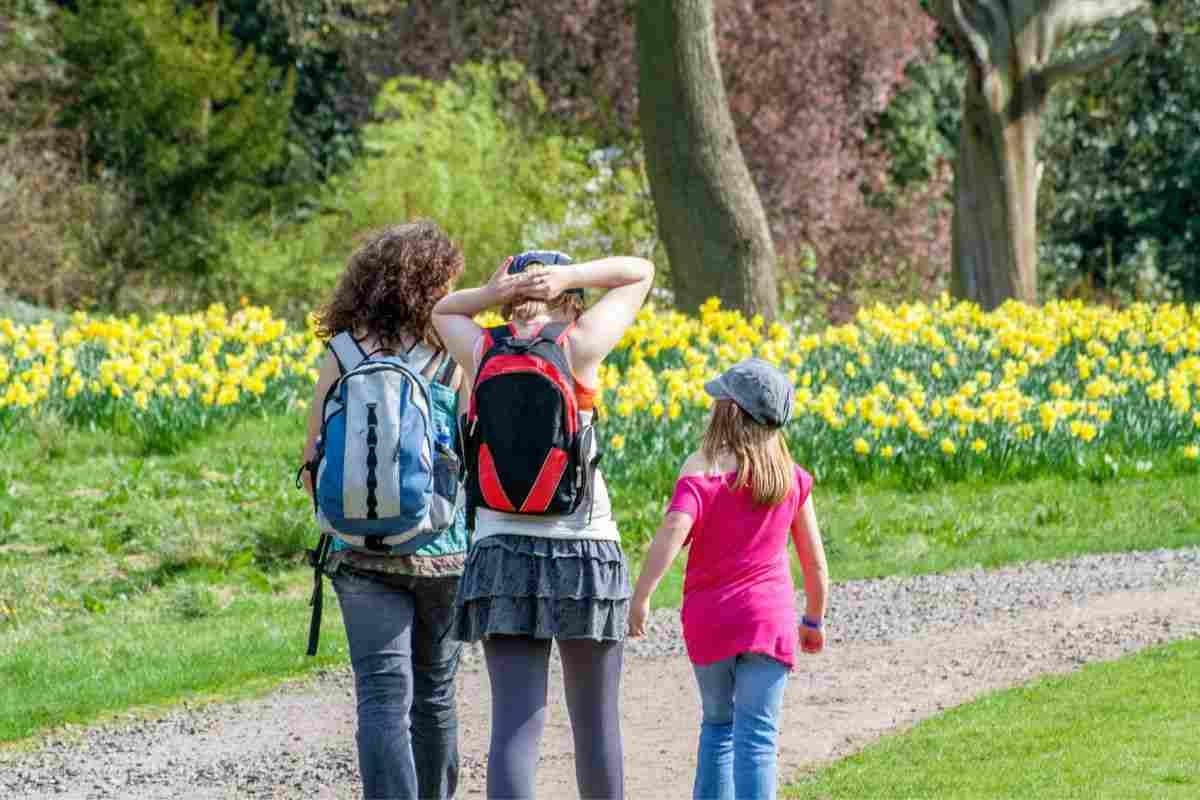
549 258
757 387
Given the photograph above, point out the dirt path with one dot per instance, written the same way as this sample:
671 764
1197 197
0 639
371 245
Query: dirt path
298 742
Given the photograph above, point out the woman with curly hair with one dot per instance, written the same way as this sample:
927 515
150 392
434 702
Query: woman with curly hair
398 608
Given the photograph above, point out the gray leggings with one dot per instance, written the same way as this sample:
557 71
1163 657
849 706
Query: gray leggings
518 668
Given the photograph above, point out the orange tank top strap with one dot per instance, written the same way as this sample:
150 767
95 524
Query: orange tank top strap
586 395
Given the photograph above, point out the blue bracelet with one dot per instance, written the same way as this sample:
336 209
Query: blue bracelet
806 622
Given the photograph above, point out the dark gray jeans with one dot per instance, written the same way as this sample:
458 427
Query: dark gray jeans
404 665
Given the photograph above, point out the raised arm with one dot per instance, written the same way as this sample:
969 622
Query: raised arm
453 316
806 536
628 281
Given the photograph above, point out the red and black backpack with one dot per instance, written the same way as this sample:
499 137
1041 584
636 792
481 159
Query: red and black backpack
526 451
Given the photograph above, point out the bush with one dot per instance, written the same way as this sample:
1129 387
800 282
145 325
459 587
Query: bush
43 192
493 172
167 104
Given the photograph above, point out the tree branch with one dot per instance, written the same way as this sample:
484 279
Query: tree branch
968 35
1065 17
1125 44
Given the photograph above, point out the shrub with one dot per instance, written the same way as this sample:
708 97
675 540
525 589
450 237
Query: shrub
492 171
43 192
167 103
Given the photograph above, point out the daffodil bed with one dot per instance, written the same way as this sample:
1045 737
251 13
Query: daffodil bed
922 392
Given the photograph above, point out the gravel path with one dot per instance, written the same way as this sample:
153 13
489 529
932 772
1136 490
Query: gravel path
902 649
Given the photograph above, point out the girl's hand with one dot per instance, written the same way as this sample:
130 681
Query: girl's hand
545 284
639 613
811 641
505 288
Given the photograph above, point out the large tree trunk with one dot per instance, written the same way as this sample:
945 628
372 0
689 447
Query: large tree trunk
709 213
995 201
1009 47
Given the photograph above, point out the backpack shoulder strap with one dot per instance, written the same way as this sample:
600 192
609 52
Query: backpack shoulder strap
445 375
347 352
556 332
490 338
499 333
423 359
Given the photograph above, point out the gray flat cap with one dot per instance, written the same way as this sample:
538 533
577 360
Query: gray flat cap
759 388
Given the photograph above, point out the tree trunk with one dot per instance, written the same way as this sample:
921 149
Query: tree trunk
1009 46
709 213
995 200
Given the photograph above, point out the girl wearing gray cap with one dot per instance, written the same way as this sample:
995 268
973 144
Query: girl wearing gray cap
735 503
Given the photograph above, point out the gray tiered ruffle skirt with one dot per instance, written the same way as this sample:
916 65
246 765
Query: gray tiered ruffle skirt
543 588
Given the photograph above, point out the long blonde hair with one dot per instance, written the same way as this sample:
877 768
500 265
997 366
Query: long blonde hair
763 461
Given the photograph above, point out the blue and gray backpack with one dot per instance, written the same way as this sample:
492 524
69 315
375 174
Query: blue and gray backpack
387 471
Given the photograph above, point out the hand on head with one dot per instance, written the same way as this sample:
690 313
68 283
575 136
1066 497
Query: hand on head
536 283
543 284
507 288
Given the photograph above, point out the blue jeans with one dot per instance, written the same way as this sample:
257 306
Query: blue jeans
404 666
741 697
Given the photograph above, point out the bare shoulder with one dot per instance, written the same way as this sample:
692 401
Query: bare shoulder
694 466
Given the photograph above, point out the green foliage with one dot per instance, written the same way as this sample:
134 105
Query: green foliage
322 135
185 121
192 600
919 127
42 186
492 172
1119 202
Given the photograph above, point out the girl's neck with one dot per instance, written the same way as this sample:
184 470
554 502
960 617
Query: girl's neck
538 321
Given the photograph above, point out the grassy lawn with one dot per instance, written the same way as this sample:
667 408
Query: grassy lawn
129 579
1125 729
142 655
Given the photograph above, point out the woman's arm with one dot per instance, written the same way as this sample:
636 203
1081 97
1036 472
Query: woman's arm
628 281
453 316
667 543
806 536
325 379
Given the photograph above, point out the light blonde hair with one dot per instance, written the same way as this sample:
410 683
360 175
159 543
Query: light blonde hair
763 461
528 309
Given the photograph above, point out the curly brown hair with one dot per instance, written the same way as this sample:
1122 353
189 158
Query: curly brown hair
391 284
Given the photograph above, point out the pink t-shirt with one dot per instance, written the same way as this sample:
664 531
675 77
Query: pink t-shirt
738 595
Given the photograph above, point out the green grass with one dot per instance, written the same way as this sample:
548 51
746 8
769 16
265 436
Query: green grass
142 656
103 547
133 580
1126 729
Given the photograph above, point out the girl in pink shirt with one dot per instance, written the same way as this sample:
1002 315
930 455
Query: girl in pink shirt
736 502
